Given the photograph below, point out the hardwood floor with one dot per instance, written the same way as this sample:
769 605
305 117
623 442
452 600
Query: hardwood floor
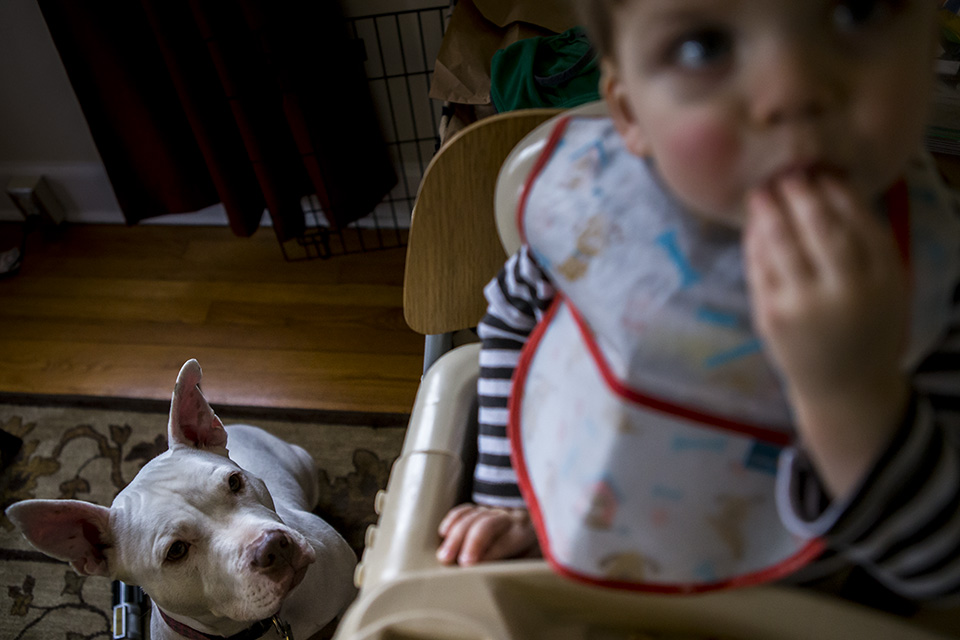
108 310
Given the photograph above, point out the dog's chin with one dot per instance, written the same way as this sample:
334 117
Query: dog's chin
278 592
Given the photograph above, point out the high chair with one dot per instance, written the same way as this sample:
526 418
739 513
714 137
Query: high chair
455 248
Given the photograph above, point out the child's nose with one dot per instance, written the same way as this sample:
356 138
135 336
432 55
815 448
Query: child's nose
792 83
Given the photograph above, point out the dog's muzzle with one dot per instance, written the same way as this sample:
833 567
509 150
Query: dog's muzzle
273 551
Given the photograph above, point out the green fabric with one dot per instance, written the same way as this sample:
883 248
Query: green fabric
553 71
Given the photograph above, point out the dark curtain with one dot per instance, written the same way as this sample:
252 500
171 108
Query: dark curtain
253 103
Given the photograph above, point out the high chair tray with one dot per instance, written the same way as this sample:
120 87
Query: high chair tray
406 593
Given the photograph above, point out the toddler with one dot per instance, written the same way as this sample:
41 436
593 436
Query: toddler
728 345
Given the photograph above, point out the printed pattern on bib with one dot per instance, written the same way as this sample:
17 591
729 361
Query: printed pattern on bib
646 421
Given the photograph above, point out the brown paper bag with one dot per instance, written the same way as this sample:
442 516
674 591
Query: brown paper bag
477 29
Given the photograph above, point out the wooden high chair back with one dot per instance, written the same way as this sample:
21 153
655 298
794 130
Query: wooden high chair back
453 249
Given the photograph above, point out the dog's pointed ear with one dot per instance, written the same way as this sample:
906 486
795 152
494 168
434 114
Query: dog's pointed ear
71 530
192 421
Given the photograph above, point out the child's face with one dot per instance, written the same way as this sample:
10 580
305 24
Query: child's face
729 95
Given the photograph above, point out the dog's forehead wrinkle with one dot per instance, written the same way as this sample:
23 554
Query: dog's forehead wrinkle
158 489
204 466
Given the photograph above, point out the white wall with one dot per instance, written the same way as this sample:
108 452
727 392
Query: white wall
42 130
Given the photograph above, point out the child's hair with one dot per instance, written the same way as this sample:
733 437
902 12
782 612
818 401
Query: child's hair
595 16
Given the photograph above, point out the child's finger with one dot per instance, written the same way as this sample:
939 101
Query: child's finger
516 540
453 515
841 198
774 248
823 232
453 540
480 537
447 552
878 245
833 224
759 275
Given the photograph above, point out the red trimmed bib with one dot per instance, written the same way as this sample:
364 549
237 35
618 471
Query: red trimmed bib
646 422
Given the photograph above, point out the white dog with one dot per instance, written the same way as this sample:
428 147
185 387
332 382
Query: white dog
220 544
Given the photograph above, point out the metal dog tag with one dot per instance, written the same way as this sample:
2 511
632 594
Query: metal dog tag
282 628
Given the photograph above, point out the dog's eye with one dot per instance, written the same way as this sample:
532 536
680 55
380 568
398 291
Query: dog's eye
235 482
177 551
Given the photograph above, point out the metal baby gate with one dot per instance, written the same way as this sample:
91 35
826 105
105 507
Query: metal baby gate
400 49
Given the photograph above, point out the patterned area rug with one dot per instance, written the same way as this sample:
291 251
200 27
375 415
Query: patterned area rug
92 453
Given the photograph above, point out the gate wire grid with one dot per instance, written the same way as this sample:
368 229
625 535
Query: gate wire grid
398 49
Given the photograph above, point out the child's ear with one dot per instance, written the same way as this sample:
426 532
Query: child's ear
624 119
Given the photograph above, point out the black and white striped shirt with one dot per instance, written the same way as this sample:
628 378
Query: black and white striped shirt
517 300
902 525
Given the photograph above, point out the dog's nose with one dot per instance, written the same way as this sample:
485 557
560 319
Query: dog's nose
273 549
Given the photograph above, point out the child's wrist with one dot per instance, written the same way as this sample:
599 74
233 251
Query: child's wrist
878 393
846 429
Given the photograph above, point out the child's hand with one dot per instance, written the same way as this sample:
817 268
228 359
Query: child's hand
472 533
829 297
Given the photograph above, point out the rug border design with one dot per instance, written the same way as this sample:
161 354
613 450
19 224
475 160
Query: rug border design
232 412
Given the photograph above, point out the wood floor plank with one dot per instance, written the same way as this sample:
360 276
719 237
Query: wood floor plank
255 377
238 333
210 253
115 311
180 310
376 295
167 268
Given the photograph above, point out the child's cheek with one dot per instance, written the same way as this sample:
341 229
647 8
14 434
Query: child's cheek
699 160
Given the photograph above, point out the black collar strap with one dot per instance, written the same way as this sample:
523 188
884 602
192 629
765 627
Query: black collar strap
251 633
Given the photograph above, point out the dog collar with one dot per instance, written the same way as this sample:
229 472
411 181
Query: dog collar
251 633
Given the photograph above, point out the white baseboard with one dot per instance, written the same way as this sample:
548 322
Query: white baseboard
81 187
84 190
87 197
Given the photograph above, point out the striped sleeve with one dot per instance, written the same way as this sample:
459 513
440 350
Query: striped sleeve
903 523
516 300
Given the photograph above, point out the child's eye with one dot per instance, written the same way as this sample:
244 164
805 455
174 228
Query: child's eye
849 15
701 50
